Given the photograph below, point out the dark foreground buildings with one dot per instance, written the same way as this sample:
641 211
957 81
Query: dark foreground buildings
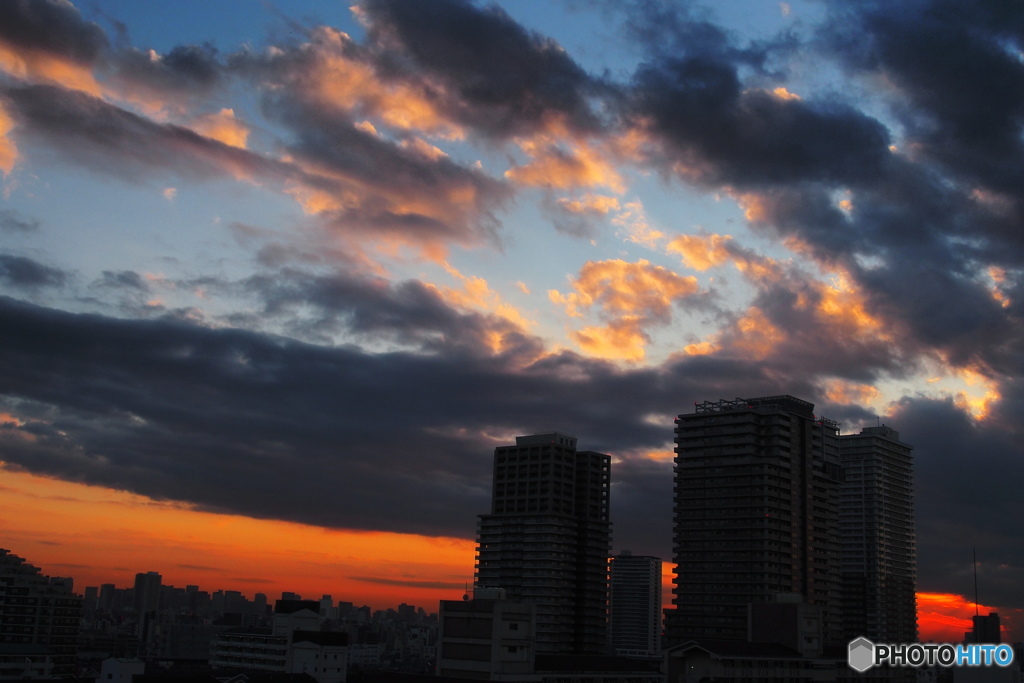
547 539
778 519
876 530
635 605
756 512
39 621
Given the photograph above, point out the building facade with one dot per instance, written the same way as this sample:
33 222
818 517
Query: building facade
487 638
635 606
876 519
547 538
755 515
37 610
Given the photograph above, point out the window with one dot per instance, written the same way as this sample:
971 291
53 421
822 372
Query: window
513 626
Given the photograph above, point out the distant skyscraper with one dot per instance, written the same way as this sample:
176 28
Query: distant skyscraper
547 538
876 519
987 629
147 592
756 506
635 614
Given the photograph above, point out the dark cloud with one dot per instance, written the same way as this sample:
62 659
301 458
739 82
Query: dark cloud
964 498
14 222
105 138
509 81
959 67
198 567
580 224
51 26
454 202
187 70
410 583
409 313
24 273
387 441
723 134
126 279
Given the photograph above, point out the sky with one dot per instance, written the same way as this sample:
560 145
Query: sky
276 279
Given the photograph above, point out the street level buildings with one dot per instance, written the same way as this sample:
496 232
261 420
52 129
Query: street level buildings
876 524
547 539
755 515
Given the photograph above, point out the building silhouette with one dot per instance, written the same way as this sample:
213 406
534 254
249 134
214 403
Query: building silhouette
635 606
986 629
755 515
147 592
876 522
547 538
39 620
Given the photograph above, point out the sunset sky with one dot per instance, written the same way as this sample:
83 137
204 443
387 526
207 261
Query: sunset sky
275 279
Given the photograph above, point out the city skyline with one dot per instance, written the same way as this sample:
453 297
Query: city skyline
276 281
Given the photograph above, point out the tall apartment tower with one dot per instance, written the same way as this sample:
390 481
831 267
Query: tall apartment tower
876 520
756 507
635 613
547 538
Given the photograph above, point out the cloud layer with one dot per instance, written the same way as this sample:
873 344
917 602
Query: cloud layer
369 345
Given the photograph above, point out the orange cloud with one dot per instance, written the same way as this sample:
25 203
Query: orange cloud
621 339
223 127
945 617
637 230
29 64
348 84
8 151
784 94
757 335
476 294
701 252
843 392
977 401
630 296
590 204
703 348
998 277
557 163
755 208
842 307
423 148
659 455
622 288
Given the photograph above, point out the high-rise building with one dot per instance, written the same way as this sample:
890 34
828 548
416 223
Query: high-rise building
147 592
876 523
37 611
986 629
635 608
755 515
547 538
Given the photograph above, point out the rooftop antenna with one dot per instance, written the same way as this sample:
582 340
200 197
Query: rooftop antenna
975 551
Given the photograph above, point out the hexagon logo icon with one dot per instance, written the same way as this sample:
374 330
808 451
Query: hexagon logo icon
862 654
